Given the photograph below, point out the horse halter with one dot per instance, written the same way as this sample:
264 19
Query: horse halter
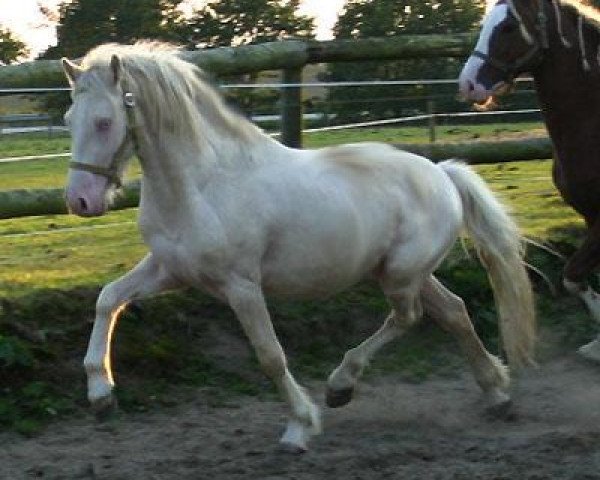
112 171
538 44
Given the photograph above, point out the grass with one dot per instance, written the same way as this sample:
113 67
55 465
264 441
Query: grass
52 267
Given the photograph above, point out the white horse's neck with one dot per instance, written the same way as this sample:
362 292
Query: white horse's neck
173 167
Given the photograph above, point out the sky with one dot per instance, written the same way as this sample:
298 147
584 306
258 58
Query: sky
30 26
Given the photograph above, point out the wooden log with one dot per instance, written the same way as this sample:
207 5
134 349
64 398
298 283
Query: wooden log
270 56
484 151
51 201
398 47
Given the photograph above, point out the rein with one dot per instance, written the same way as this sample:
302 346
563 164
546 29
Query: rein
538 44
112 171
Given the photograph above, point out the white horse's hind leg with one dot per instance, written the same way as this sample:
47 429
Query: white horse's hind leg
247 301
146 278
449 311
341 382
591 299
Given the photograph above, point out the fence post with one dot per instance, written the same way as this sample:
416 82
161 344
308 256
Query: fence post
431 120
291 109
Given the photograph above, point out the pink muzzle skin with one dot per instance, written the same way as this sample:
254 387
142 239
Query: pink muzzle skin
86 193
468 87
473 91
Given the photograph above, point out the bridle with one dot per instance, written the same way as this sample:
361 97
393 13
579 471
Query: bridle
538 43
112 171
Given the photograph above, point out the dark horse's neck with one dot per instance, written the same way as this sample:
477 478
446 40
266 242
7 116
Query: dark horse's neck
569 95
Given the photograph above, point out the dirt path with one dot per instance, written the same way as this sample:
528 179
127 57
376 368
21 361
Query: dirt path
433 430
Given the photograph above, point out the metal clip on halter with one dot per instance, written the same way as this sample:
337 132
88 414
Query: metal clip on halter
128 100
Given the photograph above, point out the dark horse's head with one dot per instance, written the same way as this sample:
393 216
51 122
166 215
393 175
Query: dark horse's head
512 41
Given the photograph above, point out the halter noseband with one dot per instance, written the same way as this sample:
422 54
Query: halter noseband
112 171
538 44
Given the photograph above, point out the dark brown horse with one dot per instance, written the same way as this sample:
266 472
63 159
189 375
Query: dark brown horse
558 42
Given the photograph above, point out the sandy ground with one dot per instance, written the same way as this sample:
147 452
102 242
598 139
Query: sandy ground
432 430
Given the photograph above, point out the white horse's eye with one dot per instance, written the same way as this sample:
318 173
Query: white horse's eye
103 124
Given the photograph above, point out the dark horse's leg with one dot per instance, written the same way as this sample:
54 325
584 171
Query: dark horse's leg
584 262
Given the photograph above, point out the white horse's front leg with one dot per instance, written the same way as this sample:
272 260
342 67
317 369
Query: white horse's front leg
247 301
145 278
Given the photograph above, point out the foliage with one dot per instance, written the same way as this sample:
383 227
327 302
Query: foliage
84 24
223 23
378 18
11 49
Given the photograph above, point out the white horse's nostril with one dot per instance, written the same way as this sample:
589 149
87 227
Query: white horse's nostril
470 85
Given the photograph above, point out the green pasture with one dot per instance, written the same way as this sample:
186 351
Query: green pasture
52 267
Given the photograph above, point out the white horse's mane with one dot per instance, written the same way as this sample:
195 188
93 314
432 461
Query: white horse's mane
173 93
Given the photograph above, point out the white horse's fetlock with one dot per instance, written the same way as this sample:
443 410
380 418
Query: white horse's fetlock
298 432
99 388
591 351
295 438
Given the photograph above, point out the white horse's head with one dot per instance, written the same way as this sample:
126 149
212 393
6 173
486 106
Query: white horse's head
511 42
102 141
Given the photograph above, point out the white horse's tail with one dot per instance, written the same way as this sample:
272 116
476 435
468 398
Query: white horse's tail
500 248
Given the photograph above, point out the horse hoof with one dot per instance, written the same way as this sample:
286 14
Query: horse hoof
105 408
501 411
591 351
338 398
292 448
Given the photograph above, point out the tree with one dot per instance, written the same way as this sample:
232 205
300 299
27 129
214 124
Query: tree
378 18
241 22
223 23
84 24
11 49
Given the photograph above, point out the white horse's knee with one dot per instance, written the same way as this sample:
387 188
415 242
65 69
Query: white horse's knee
107 301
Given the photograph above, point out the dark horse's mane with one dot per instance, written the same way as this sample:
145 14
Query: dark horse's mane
587 30
582 8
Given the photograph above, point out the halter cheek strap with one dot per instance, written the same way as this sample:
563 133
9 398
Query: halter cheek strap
538 45
112 171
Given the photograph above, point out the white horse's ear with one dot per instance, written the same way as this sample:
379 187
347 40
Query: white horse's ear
72 70
115 66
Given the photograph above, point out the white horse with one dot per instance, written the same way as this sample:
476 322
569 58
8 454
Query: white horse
226 208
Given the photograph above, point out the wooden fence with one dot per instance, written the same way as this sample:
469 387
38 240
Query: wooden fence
290 56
